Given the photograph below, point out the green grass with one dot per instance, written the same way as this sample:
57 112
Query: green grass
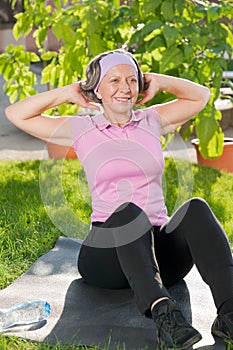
40 201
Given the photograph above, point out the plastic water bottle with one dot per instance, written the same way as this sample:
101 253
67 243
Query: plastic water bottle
24 314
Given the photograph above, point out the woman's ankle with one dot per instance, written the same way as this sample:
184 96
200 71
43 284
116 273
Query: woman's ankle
157 302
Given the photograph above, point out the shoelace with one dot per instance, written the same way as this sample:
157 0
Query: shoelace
167 321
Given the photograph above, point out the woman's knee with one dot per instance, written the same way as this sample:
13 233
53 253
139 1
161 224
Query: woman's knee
197 204
192 210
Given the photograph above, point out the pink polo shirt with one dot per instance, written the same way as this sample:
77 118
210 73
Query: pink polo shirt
122 164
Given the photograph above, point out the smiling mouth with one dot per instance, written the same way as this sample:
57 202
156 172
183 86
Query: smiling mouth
123 99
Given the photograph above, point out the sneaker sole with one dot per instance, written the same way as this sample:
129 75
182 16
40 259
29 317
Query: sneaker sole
195 339
222 335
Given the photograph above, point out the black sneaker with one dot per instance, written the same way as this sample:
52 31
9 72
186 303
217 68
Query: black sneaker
174 332
223 327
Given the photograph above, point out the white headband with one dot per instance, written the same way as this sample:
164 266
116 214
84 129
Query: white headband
111 60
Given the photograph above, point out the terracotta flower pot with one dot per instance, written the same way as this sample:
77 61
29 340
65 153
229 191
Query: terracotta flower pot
224 162
59 152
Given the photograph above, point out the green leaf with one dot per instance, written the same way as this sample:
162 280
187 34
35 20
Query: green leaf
54 75
57 3
40 35
205 71
90 23
148 28
116 3
170 34
58 30
13 96
171 59
180 5
229 38
213 13
167 9
68 35
216 79
46 72
9 71
75 58
64 32
67 109
23 25
13 3
209 132
47 56
10 49
149 6
97 45
3 64
157 42
49 9
33 57
188 52
215 146
188 132
22 95
17 27
28 91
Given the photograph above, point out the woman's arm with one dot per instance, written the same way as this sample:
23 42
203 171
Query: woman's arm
191 99
28 114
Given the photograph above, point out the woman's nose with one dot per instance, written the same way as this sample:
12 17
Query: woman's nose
124 86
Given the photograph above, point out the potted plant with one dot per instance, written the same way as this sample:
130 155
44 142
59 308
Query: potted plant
188 39
223 162
225 106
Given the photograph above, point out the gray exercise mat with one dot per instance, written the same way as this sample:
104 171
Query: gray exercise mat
86 315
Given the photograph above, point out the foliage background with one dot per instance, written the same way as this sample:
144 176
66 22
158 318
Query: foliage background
191 39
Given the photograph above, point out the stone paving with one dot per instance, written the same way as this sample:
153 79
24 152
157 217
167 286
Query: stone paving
14 143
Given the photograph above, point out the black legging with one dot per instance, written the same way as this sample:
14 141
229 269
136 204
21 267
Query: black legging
126 251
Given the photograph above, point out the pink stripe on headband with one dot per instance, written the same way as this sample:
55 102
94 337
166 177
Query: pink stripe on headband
111 60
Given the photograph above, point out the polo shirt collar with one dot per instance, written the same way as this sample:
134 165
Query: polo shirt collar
102 123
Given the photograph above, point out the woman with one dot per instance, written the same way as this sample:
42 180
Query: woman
132 242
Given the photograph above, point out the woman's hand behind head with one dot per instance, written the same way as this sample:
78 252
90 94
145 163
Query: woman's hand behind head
76 95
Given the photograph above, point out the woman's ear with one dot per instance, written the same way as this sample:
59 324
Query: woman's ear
98 95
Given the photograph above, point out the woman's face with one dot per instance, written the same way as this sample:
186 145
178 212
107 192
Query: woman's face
118 89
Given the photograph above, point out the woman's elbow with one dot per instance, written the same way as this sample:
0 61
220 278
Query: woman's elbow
8 113
12 114
205 96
